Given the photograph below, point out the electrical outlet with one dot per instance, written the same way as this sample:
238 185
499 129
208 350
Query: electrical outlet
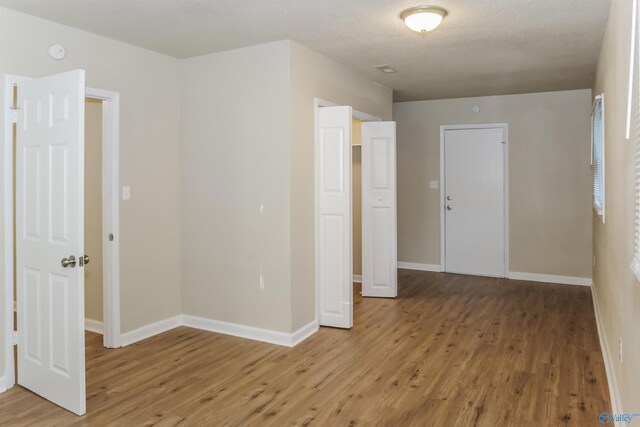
126 192
620 348
433 185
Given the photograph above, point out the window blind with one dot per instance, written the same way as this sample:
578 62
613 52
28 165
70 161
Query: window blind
597 155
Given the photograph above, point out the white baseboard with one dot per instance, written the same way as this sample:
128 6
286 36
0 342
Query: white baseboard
148 331
3 384
303 333
357 278
546 278
251 332
614 391
218 326
420 267
93 326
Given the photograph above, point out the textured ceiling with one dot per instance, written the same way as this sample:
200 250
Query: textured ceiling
483 47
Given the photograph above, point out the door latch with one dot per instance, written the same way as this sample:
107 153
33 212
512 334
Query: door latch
68 262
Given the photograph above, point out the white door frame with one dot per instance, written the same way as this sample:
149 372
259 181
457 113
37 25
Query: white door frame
505 129
358 115
110 218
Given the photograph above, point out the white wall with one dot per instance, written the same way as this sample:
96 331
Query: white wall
248 133
616 288
149 150
549 177
235 157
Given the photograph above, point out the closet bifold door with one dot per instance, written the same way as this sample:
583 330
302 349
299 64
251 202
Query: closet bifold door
334 262
379 210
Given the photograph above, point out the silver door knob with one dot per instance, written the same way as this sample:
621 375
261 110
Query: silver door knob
448 197
449 207
68 262
84 260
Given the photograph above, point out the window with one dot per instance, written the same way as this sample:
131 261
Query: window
597 154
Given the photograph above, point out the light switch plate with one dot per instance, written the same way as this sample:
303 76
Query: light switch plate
126 193
433 185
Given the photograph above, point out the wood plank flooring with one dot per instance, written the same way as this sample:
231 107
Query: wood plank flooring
451 350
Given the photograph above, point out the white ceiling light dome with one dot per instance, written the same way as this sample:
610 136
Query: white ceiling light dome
423 18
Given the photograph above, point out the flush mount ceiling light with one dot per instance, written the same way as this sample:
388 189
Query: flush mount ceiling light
423 18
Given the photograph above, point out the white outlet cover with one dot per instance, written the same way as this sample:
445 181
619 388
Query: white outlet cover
433 185
126 193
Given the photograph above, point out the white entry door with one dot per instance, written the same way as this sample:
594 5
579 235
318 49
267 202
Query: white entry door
474 206
50 238
334 262
379 230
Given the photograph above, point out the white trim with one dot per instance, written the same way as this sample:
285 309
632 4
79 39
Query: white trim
110 213
419 267
93 326
358 115
151 330
250 332
547 278
357 278
3 384
505 130
6 225
632 60
303 333
614 391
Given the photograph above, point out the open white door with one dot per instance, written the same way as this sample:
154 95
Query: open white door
334 263
379 230
50 238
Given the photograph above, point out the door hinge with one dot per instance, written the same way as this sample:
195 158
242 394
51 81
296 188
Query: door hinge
15 337
14 114
111 237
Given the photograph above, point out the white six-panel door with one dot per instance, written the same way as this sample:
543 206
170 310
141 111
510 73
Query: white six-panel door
474 206
379 231
334 262
50 228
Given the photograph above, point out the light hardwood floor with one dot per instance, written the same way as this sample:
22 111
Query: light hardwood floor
451 350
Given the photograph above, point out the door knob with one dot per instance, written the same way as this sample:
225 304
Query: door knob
448 197
449 207
84 260
68 262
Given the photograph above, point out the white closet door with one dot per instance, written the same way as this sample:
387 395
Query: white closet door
50 229
334 263
379 229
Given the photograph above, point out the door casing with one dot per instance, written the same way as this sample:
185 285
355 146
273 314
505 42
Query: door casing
443 129
110 219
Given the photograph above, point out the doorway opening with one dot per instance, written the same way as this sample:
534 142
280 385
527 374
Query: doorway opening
356 188
474 199
101 217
